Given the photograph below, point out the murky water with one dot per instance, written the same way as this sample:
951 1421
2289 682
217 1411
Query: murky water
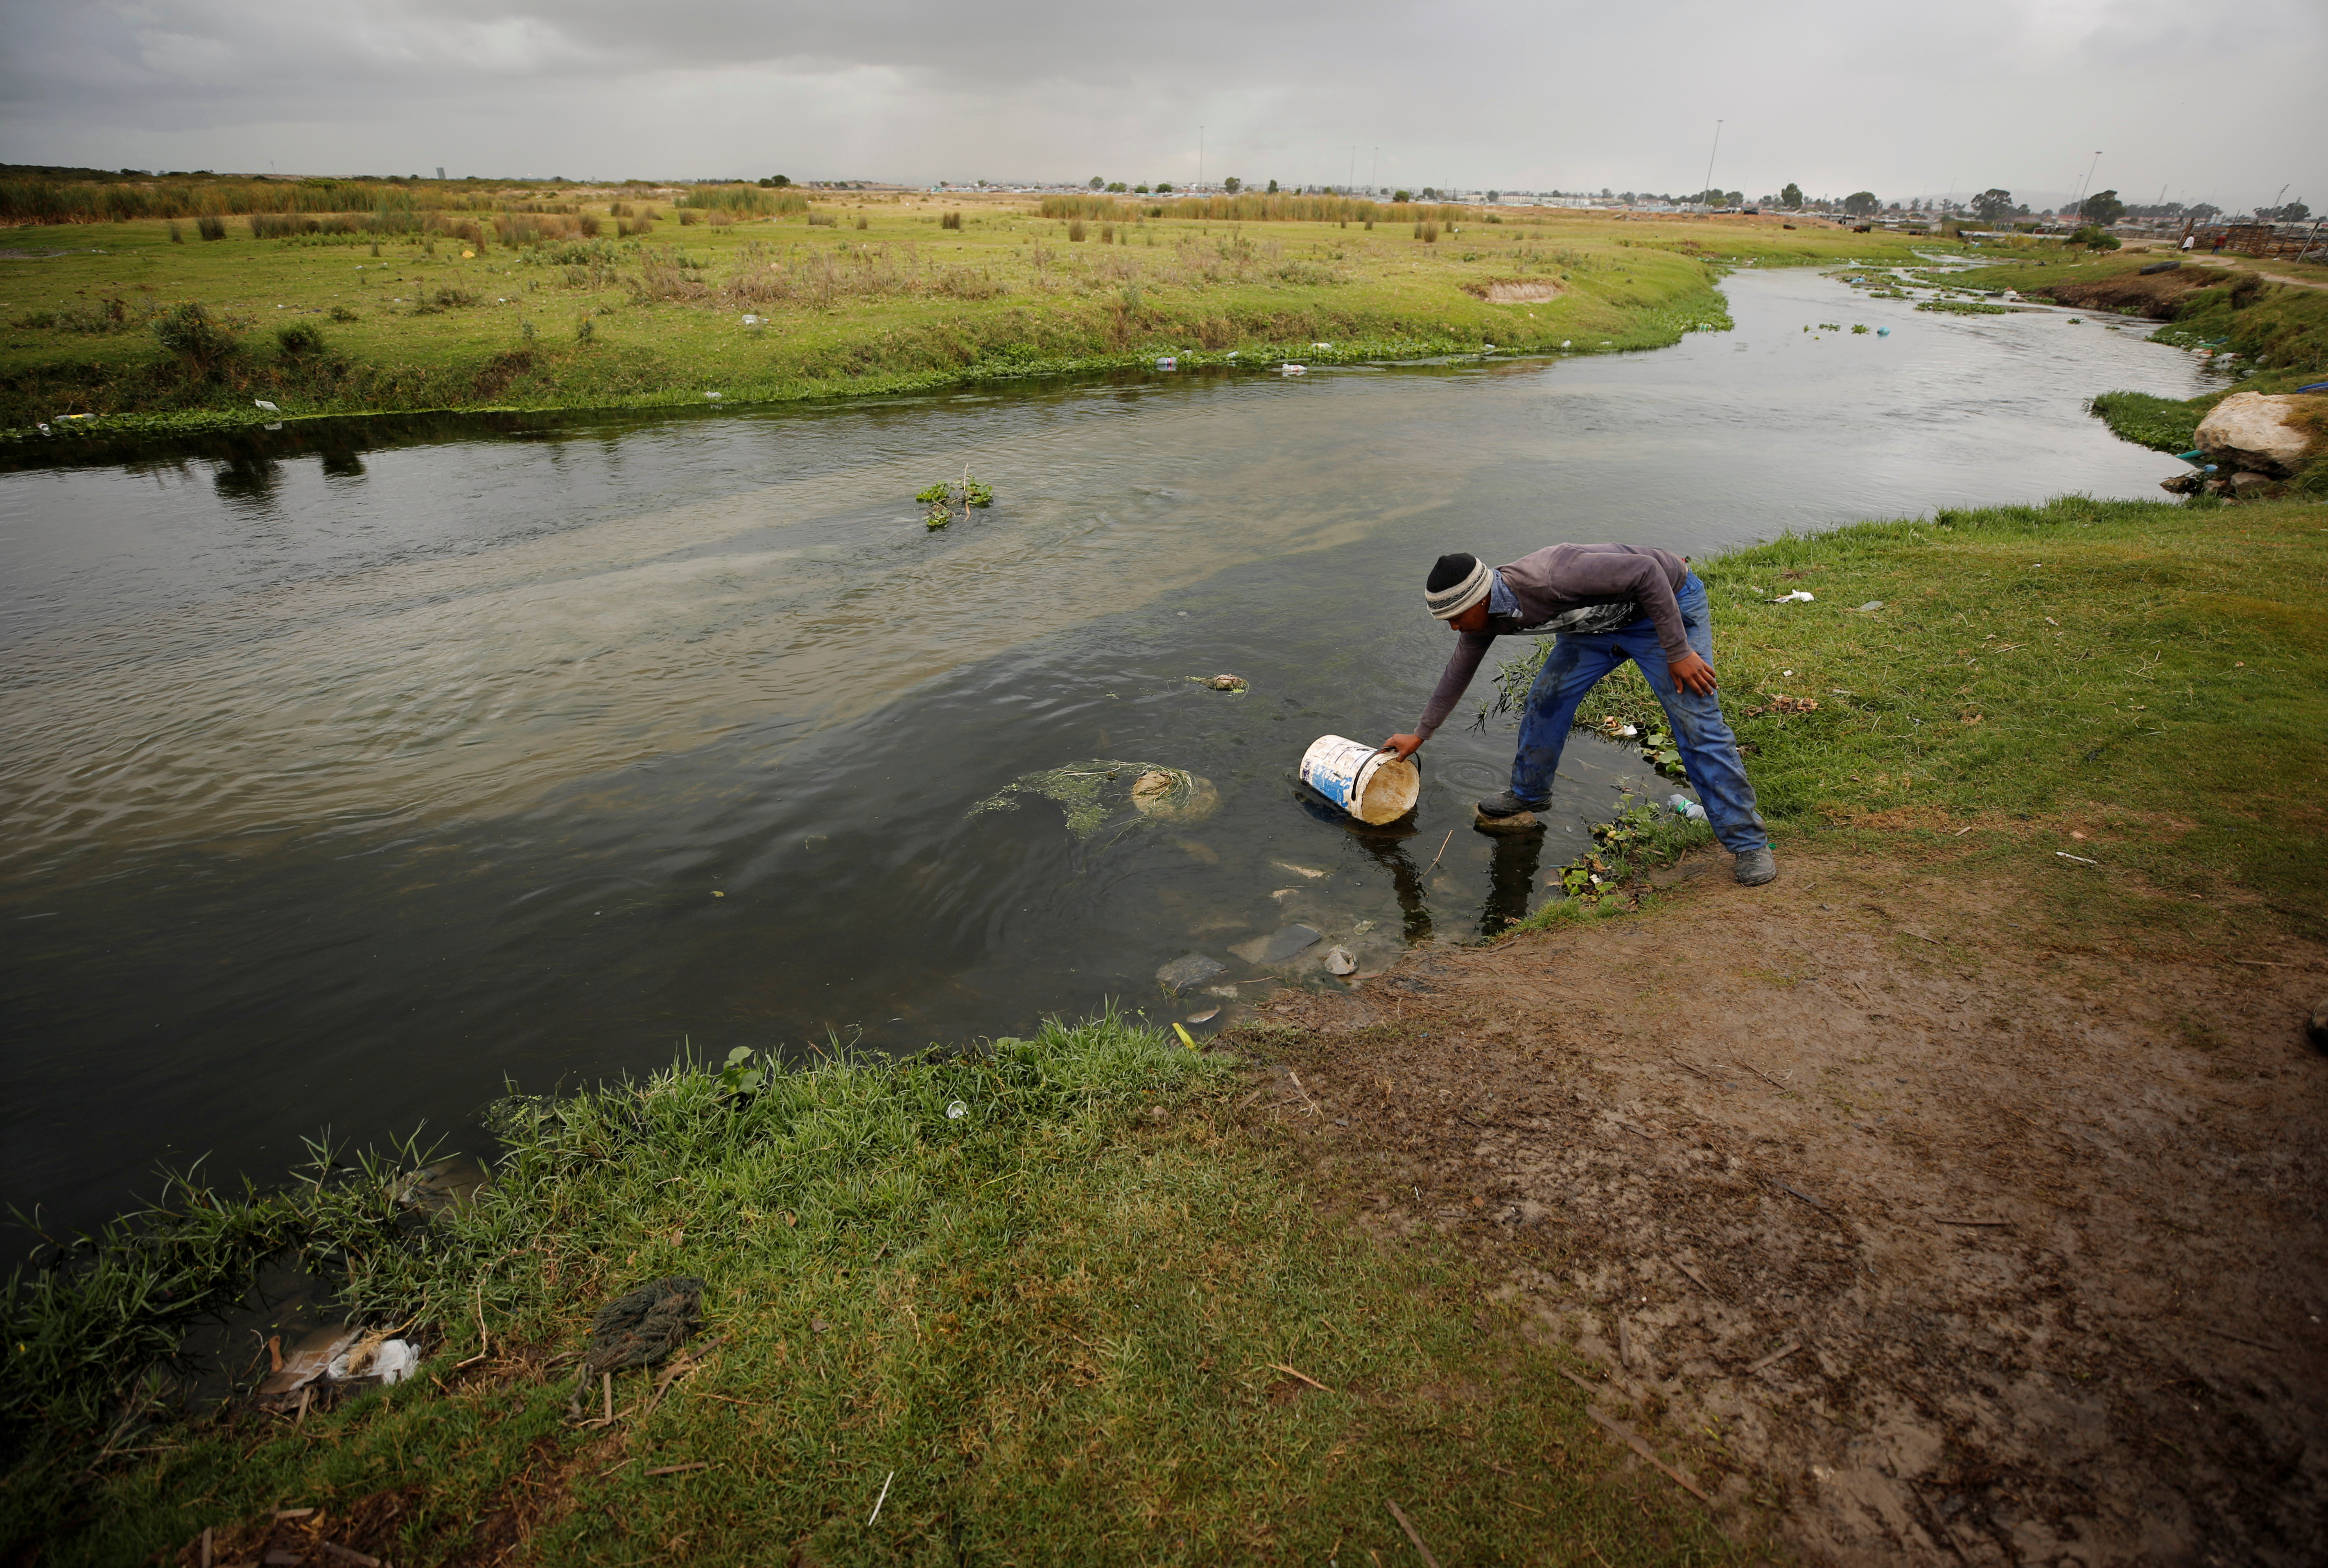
343 782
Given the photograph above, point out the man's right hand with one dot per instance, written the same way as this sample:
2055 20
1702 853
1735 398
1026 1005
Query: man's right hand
1406 745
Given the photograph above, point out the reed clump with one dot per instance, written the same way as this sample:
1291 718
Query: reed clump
950 221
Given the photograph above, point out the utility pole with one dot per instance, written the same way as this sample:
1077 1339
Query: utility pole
2275 206
1375 179
1354 173
1709 157
1200 157
2079 209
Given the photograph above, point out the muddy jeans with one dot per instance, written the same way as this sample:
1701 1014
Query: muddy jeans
1708 748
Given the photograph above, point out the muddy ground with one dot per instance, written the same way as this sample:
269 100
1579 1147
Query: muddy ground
1890 1205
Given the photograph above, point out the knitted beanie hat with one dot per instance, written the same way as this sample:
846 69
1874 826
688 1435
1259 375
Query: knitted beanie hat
1456 583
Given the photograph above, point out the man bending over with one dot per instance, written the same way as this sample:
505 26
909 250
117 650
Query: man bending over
1604 604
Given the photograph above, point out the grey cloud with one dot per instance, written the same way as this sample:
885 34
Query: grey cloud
1907 99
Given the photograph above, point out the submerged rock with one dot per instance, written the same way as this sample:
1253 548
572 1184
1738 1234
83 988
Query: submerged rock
1188 971
1279 944
1170 795
1225 683
1339 962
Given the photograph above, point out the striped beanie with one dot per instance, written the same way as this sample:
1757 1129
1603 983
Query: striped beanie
1456 583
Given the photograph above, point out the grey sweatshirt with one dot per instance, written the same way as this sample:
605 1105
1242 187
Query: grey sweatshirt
1560 577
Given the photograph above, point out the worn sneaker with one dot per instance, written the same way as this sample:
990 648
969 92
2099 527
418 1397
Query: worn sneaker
1756 867
1506 805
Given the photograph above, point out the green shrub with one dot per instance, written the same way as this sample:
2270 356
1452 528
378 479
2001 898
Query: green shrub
200 339
298 341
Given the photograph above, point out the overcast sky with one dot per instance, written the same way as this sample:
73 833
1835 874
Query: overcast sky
1907 99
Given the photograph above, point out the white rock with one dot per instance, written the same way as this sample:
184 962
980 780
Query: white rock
2255 431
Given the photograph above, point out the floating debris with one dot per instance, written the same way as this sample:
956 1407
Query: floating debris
1297 870
1093 792
1221 682
1339 962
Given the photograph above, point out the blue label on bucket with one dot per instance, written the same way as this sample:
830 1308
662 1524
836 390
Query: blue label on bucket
1333 767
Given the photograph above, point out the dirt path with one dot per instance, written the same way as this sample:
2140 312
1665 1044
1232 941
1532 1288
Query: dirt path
1881 1200
2240 265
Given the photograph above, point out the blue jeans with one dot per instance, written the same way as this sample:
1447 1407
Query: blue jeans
1708 748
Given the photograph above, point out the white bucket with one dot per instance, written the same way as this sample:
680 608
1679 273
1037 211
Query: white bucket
1373 786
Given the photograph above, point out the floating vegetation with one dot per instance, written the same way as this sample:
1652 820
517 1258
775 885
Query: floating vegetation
1236 684
1094 792
1967 307
1589 878
945 498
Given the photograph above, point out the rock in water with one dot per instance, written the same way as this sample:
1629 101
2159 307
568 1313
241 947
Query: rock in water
1339 962
1279 945
2255 432
2189 484
1226 684
1524 822
1188 971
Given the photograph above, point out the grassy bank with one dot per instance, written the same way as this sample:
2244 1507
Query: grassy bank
1086 1319
2143 684
668 305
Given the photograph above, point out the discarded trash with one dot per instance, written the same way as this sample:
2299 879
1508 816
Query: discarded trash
1188 971
1091 792
1684 807
1339 962
1168 362
640 1329
1373 786
1171 795
263 403
1883 331
1293 370
1321 345
1207 1016
1221 682
1297 870
1279 945
715 397
2079 859
374 1355
443 1185
1872 605
1799 596
1563 343
957 1110
751 321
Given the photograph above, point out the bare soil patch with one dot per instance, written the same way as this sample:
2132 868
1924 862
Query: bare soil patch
1878 1198
1519 291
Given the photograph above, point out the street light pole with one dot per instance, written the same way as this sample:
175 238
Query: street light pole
1709 157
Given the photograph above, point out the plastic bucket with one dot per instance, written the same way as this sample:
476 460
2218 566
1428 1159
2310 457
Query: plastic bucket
1373 786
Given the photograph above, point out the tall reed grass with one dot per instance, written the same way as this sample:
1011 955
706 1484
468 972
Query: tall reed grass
752 200
95 201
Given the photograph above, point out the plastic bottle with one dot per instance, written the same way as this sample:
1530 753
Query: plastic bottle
1684 807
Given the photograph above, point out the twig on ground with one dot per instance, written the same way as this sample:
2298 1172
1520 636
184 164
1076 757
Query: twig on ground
2262 963
1699 1280
1991 1223
2080 859
2240 1338
881 1499
1412 1533
1642 1449
1304 1377
1774 1358
1766 1077
1314 1107
679 1469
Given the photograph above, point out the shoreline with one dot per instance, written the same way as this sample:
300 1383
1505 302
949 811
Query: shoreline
953 1266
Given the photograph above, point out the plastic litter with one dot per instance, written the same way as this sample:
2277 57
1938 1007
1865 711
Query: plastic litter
1168 362
1686 807
1799 596
263 403
1293 370
390 1360
1883 331
957 1110
1339 962
1872 605
1373 786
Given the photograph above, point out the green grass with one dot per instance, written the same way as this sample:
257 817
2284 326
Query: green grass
2153 674
902 304
1058 1322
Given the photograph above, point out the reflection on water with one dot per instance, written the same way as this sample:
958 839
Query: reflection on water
349 772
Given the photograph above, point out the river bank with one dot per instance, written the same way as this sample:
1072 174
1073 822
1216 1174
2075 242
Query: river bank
987 1311
875 296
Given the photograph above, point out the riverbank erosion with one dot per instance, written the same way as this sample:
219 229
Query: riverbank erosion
1622 1241
528 309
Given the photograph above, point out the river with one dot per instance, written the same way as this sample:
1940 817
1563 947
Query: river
351 777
